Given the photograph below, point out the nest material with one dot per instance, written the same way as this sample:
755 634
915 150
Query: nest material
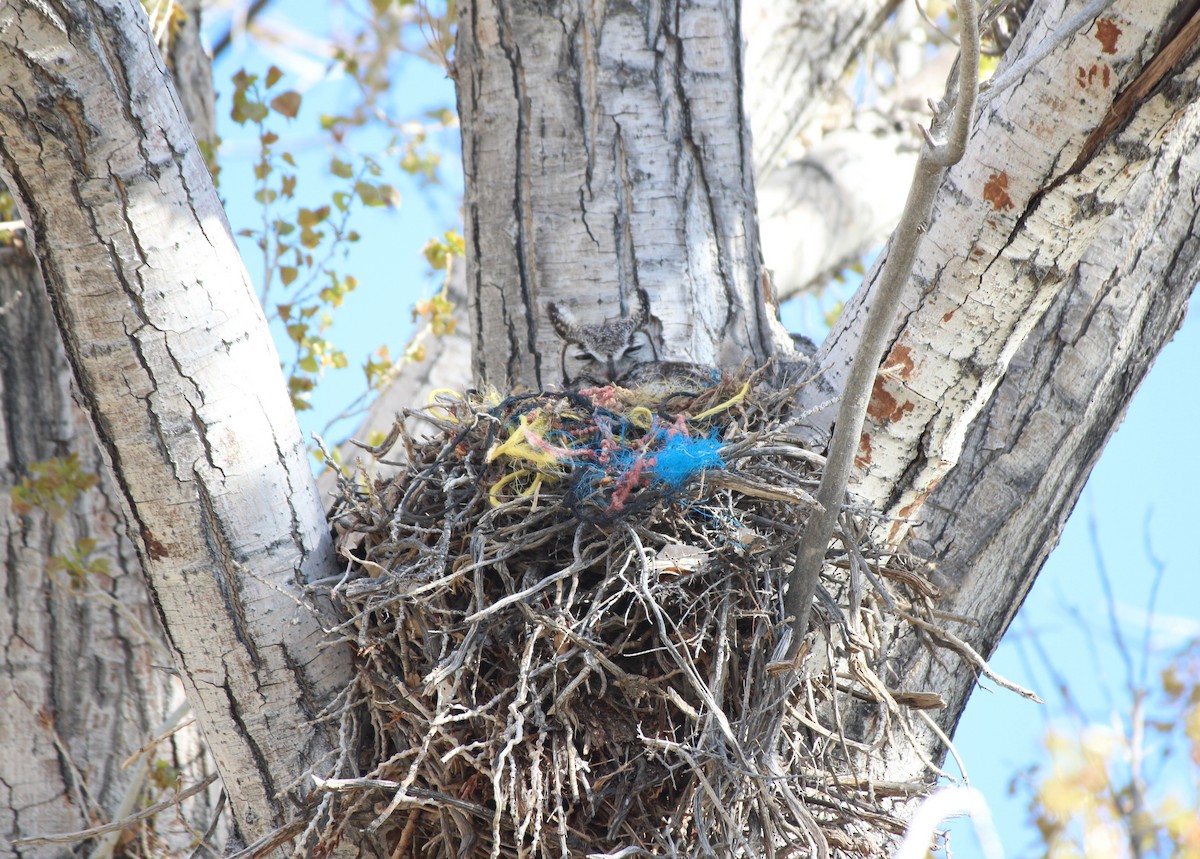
567 607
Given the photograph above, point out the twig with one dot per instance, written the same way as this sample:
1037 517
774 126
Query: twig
1110 602
968 652
935 159
117 825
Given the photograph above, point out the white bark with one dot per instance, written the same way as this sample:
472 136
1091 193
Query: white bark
797 50
1015 410
176 369
818 213
561 206
606 150
82 672
832 206
990 524
1041 174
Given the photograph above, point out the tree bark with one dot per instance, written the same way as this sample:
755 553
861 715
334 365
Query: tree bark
175 367
83 664
991 523
990 411
605 154
1048 162
606 151
82 669
798 51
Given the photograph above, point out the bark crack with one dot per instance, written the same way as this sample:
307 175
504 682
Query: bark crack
522 207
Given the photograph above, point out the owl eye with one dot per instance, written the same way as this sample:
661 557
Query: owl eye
583 355
633 348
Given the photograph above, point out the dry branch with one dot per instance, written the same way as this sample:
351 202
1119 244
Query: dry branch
565 608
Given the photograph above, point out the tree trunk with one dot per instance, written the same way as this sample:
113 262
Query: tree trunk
989 411
83 667
606 152
991 523
1048 162
175 367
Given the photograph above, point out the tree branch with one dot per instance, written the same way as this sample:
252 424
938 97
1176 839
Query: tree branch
931 167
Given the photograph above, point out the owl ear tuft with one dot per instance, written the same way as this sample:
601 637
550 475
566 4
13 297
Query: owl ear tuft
642 315
563 320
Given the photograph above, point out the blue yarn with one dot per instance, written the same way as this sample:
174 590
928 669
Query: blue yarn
682 458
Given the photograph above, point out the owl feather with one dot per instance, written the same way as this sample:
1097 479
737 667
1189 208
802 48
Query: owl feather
601 353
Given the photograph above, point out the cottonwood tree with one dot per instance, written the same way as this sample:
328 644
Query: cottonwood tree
607 149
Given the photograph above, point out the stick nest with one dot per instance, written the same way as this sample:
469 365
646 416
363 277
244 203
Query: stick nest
567 609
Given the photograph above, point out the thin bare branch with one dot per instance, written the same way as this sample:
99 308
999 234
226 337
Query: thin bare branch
935 159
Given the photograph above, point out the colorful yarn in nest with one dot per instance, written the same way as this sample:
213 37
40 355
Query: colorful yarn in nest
616 464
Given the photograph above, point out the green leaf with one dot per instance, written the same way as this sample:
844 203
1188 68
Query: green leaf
368 193
312 217
341 169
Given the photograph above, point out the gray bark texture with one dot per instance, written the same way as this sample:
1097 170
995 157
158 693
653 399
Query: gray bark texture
175 368
85 671
83 667
606 152
991 523
1029 324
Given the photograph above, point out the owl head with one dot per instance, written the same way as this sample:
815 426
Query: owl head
602 352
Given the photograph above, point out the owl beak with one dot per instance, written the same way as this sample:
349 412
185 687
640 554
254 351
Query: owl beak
612 368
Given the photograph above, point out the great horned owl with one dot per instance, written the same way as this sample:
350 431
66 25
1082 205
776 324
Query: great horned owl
604 352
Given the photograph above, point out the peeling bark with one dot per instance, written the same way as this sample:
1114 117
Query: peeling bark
991 523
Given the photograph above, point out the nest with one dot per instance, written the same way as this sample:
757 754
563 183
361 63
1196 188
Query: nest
567 609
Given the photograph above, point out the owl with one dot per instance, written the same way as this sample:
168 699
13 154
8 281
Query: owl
604 352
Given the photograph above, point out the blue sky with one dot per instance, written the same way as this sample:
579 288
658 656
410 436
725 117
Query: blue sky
1145 483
